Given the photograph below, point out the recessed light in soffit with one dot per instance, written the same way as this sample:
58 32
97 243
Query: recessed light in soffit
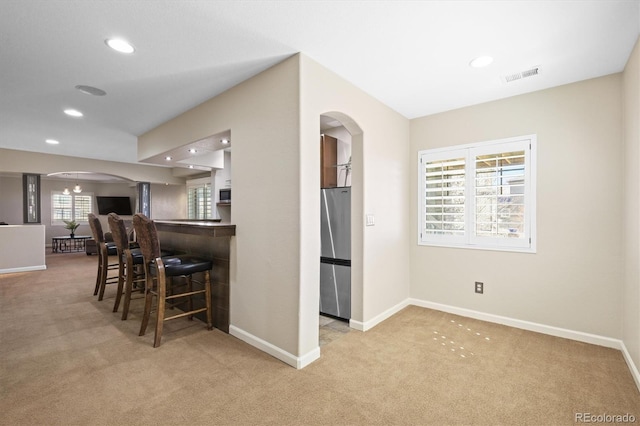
120 45
73 112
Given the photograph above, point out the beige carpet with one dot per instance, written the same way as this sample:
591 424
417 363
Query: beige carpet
66 359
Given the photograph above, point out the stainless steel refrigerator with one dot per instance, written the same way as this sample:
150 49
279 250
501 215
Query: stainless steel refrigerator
335 260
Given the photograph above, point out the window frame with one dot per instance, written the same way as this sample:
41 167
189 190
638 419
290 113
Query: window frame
204 184
470 239
82 221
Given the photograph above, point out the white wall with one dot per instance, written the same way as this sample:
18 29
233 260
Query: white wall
263 116
22 248
631 85
275 122
574 281
380 183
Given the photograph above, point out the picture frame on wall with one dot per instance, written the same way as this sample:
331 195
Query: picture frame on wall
31 198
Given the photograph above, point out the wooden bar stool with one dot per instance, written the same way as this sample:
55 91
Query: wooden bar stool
130 260
157 269
104 251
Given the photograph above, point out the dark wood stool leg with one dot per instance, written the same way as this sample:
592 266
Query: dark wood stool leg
162 294
121 282
104 260
207 295
148 300
98 276
189 279
128 286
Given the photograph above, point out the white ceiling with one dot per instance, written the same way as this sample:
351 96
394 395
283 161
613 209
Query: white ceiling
411 55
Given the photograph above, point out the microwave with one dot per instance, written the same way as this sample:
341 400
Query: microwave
225 195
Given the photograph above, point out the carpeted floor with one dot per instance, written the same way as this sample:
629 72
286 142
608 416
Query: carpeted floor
66 359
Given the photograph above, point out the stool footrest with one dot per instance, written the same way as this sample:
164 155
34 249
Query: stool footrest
184 314
190 293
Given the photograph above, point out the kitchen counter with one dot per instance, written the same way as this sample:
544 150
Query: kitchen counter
209 239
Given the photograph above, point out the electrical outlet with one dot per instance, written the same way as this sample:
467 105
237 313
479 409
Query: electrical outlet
479 287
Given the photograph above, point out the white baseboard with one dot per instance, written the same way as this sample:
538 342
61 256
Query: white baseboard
23 269
303 361
368 325
540 328
274 351
525 325
632 366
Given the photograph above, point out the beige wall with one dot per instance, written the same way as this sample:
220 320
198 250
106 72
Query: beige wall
380 182
166 202
574 281
12 161
263 116
11 200
631 179
274 120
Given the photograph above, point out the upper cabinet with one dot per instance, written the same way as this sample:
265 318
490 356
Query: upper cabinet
328 161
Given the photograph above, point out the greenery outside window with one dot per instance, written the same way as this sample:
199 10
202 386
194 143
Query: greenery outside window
479 195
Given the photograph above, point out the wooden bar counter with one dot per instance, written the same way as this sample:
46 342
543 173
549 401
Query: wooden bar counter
208 239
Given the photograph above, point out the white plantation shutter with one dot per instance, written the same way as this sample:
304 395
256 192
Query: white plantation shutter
81 207
61 206
70 207
443 187
480 195
199 201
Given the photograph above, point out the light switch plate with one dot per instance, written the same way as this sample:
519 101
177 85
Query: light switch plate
371 220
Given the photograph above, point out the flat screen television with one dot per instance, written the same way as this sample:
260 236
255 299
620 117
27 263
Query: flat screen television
117 205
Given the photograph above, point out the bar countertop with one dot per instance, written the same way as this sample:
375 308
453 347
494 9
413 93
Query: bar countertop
213 228
207 239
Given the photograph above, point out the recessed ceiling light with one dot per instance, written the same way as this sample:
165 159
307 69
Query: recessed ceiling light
193 150
167 158
224 141
481 61
73 112
191 166
90 90
120 45
52 142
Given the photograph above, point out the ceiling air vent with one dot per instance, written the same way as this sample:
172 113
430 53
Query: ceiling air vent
520 75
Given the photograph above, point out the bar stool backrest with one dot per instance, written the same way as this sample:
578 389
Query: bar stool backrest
96 228
118 232
147 237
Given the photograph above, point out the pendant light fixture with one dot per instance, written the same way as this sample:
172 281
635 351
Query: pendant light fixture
77 189
66 188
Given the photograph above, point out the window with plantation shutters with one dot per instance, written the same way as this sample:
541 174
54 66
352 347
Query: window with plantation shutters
199 200
70 207
443 189
479 195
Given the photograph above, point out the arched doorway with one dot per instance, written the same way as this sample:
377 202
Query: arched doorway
347 136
